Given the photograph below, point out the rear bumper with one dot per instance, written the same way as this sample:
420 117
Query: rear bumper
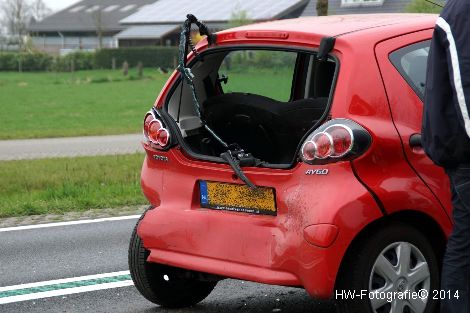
237 246
265 249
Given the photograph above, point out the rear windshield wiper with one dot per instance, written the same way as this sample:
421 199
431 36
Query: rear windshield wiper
234 156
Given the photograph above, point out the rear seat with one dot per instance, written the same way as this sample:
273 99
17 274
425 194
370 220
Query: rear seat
269 129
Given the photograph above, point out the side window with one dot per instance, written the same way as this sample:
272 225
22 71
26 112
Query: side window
412 63
260 72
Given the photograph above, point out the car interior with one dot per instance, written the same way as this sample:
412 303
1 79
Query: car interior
268 127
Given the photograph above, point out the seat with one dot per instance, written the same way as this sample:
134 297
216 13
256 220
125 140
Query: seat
269 129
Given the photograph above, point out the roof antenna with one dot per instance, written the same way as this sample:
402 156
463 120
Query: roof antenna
436 4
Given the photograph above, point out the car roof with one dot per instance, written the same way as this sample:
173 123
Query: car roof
345 25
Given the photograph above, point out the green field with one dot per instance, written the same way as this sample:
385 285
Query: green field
38 105
62 185
84 103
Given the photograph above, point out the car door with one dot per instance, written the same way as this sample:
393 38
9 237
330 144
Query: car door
403 62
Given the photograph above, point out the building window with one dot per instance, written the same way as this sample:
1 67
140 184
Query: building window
128 8
355 3
76 9
111 8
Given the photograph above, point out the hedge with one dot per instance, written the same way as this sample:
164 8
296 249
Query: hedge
149 56
76 61
25 61
102 59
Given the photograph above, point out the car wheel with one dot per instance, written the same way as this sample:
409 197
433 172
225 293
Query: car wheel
393 271
166 286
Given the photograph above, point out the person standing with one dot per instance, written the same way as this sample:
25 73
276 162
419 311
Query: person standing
446 140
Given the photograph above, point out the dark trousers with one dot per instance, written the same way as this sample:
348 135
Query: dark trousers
456 264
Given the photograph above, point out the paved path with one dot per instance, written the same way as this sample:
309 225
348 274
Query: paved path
69 147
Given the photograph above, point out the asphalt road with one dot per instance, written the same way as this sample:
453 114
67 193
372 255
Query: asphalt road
36 255
26 149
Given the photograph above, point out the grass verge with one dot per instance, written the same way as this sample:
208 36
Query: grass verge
102 102
55 186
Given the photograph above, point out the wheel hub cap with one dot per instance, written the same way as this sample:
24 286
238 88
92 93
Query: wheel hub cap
402 284
399 269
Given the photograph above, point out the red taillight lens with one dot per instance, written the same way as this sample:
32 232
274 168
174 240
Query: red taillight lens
308 151
336 140
324 144
155 133
148 119
163 137
154 127
342 140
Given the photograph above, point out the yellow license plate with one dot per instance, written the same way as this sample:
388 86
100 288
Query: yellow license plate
237 198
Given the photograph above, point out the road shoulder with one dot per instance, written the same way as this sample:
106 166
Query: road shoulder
71 216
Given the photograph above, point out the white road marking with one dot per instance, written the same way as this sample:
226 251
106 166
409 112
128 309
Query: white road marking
64 291
63 281
99 220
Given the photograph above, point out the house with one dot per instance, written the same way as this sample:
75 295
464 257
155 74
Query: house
339 7
92 24
88 25
160 23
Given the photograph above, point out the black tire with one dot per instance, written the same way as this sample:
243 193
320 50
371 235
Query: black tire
176 291
358 271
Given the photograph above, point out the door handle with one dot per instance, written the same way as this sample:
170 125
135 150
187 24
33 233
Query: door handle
416 141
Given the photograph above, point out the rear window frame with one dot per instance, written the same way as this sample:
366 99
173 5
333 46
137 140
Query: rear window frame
234 47
163 110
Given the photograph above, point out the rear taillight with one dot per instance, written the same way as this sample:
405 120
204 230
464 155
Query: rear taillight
324 144
155 133
336 140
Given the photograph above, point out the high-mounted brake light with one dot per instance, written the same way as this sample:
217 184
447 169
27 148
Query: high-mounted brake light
155 134
267 34
336 140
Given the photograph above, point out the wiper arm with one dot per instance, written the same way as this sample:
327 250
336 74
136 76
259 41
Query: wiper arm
234 162
235 156
185 44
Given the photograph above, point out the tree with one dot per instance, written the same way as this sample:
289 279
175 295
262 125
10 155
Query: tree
423 6
239 17
39 10
322 7
16 16
99 26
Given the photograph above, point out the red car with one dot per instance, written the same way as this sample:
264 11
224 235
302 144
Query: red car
299 163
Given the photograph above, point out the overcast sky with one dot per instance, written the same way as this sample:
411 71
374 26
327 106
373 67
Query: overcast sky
59 4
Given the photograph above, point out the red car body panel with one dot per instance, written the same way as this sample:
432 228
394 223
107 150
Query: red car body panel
318 216
261 248
407 110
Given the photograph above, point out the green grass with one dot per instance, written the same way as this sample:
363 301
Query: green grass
35 105
55 186
40 105
272 83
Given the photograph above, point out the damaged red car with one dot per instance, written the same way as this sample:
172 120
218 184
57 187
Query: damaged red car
289 153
